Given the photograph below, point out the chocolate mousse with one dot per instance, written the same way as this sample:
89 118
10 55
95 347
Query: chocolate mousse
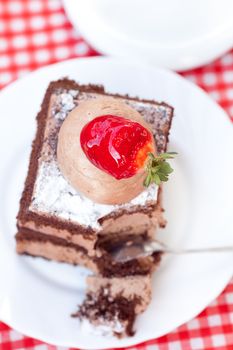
71 211
99 186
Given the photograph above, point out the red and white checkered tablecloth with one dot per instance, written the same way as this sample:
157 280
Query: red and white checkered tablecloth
34 33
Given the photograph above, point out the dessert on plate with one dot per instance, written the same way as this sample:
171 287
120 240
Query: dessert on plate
94 186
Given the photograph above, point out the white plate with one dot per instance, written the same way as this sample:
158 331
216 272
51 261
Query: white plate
174 34
38 296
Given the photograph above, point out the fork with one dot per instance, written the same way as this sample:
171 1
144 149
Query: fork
133 250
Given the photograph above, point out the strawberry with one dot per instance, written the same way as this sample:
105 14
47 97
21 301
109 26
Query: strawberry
122 147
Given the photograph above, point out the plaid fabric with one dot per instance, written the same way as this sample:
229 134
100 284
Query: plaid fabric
34 33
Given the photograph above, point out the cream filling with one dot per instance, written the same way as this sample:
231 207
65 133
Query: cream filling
55 252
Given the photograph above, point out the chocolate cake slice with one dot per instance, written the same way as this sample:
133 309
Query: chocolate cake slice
57 222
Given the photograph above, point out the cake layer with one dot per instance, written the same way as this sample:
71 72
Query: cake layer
53 248
51 204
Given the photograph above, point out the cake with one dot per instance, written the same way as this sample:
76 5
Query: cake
58 222
111 305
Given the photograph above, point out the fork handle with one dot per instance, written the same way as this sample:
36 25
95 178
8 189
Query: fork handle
224 249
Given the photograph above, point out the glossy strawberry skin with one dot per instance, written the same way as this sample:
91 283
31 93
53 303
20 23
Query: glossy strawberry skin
116 145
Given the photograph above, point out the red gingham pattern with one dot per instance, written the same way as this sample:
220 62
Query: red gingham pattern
34 33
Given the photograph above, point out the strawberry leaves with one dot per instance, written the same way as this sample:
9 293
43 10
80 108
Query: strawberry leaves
158 168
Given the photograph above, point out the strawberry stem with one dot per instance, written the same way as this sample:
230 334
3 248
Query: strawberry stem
157 168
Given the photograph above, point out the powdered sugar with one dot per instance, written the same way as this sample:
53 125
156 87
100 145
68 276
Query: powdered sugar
54 195
64 103
103 328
